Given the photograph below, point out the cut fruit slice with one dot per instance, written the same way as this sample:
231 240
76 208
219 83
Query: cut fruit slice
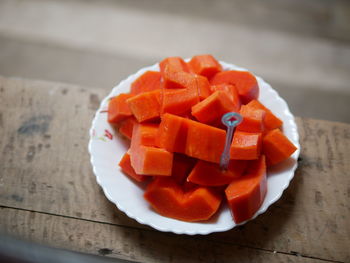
148 81
246 194
126 126
182 166
144 134
177 63
179 101
210 174
174 79
245 146
232 91
271 121
118 109
253 119
145 106
151 161
212 108
244 81
125 164
172 133
203 87
205 65
277 147
168 199
204 142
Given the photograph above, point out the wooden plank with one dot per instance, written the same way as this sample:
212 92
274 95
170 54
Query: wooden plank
130 243
310 219
44 159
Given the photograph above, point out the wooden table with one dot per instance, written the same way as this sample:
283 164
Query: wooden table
49 194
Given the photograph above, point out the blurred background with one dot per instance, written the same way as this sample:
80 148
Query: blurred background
302 48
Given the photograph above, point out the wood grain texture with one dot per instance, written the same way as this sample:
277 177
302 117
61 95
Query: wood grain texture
45 168
44 158
130 243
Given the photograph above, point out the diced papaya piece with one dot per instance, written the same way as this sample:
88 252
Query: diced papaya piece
271 121
213 107
245 146
204 142
145 159
118 109
205 65
172 133
148 81
277 147
126 126
201 203
231 90
244 81
174 79
210 174
145 106
253 119
168 199
182 166
125 164
148 160
203 87
164 195
246 193
177 63
179 101
144 134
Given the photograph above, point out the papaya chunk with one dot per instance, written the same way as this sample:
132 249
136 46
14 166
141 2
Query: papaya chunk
126 126
148 160
253 119
145 158
125 164
118 109
168 199
245 194
177 63
148 81
145 106
179 101
277 147
210 174
244 81
175 79
172 133
245 146
144 134
271 121
203 87
205 65
204 142
182 166
231 91
212 108
195 139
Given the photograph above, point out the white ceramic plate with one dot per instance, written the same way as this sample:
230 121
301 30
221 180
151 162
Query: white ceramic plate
106 148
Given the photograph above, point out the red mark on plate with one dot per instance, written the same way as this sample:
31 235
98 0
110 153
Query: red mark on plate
108 135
